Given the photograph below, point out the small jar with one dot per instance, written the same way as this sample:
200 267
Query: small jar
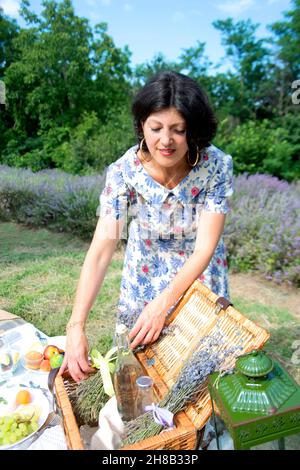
145 394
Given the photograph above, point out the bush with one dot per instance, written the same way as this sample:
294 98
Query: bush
259 148
262 231
263 228
93 146
50 198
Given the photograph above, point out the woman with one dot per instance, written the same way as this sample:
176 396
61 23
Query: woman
173 187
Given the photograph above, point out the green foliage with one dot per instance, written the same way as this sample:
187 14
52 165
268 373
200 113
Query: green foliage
62 70
69 91
258 147
93 146
251 60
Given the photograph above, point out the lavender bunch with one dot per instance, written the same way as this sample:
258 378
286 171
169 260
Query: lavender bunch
190 383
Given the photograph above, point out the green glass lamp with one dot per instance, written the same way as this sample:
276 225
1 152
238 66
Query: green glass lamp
259 402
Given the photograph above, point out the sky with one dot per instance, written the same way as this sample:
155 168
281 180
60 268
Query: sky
168 26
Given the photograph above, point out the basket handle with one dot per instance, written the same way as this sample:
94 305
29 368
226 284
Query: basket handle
51 378
222 304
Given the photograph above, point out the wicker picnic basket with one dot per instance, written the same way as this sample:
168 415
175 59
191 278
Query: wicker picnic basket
197 313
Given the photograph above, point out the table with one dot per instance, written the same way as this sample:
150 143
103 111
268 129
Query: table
20 333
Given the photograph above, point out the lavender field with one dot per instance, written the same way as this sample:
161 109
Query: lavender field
262 231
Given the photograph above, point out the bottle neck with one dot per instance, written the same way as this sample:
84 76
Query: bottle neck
123 344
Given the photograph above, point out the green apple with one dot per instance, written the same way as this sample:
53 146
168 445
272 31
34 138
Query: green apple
56 360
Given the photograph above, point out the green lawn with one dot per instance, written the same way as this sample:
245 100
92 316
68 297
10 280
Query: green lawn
38 277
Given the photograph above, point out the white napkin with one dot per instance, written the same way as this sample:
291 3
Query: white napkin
52 439
111 427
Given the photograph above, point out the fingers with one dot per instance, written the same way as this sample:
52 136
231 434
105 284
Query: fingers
64 365
137 327
139 337
78 368
84 366
149 338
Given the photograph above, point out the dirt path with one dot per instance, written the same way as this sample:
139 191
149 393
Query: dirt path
256 289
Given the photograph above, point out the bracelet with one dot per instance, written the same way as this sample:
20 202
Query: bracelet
74 323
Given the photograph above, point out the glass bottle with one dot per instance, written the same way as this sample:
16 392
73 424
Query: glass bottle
128 369
145 395
6 360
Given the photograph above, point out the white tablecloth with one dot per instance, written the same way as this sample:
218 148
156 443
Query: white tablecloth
21 337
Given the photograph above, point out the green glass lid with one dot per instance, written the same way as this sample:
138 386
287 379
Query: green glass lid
254 364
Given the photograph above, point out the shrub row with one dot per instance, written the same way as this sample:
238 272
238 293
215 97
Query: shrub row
262 231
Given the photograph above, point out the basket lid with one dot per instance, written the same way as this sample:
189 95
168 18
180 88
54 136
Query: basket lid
254 364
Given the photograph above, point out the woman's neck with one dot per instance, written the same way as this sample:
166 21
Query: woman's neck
166 176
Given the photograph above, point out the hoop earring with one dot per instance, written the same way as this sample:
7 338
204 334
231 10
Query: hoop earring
141 150
197 159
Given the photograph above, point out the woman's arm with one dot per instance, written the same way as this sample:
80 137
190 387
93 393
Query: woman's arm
151 320
93 271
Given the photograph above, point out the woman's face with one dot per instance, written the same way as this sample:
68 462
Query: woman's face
165 136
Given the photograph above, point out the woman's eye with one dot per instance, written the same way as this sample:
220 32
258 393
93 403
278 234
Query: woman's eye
155 130
181 132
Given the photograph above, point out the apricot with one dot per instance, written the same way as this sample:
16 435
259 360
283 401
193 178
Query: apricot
23 397
45 365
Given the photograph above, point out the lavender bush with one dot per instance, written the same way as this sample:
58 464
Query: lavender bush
51 198
262 230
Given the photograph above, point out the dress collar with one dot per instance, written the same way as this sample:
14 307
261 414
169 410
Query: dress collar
185 191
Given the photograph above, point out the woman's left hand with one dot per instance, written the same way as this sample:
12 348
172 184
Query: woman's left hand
149 324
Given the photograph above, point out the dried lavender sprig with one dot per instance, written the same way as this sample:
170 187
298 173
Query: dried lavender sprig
188 386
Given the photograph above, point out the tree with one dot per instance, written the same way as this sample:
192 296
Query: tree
250 58
8 31
286 44
62 70
142 72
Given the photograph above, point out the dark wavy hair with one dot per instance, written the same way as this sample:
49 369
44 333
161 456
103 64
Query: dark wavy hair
171 89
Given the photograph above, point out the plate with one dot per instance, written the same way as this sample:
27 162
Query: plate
9 394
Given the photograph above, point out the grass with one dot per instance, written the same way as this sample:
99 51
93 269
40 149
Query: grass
39 274
282 325
38 278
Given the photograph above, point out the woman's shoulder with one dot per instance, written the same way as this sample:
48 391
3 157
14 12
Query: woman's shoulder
122 170
216 158
126 159
215 152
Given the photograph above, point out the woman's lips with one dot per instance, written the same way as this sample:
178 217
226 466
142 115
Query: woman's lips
166 152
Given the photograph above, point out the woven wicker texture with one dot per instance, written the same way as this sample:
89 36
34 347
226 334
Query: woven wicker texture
195 316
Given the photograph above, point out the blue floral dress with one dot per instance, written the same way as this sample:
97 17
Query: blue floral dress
161 224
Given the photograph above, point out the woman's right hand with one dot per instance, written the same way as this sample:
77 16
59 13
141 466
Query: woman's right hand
76 354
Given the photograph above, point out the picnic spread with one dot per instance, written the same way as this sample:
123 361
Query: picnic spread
203 338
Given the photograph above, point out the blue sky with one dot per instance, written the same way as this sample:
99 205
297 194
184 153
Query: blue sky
168 26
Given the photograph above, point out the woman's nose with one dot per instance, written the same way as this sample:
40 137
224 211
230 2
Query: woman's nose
166 138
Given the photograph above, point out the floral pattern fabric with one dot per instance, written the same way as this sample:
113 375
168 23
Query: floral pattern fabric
161 224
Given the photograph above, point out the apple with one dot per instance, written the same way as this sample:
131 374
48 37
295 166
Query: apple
50 351
56 360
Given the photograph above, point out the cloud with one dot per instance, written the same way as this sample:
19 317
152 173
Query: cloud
236 7
106 2
178 16
127 7
10 7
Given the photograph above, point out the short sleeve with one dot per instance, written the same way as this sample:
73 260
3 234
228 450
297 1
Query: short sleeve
220 187
114 197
